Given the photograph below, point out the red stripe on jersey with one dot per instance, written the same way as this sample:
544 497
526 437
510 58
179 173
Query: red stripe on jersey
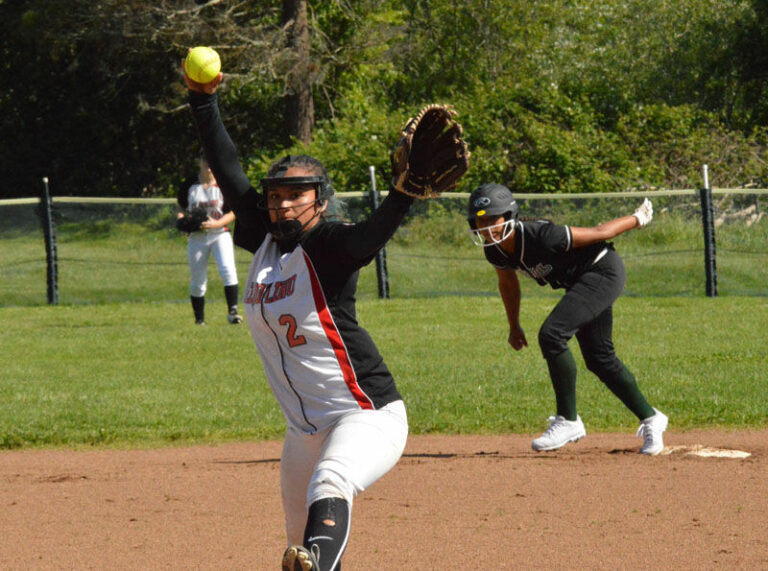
333 335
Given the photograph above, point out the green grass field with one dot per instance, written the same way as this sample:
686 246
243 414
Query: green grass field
141 374
119 363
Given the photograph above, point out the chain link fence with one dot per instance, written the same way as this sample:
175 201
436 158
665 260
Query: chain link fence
128 250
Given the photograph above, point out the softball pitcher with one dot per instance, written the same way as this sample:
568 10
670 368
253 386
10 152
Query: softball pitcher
346 421
213 237
580 261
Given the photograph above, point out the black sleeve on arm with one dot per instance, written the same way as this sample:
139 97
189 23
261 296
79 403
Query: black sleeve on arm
366 238
222 157
218 147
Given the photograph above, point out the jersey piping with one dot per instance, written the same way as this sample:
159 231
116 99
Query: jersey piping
334 337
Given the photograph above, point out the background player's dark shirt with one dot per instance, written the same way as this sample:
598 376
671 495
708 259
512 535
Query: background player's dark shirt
544 251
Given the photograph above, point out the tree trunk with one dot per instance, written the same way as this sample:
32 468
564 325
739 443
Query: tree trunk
300 107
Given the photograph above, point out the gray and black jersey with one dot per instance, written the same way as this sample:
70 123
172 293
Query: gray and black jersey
544 251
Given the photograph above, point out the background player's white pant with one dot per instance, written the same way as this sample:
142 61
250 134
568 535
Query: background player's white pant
340 461
200 246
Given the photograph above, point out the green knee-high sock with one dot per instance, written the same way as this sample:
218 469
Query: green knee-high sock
562 372
624 385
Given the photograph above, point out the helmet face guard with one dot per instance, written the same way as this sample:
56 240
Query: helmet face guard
286 230
484 236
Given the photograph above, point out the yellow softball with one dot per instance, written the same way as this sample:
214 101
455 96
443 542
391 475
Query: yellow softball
202 64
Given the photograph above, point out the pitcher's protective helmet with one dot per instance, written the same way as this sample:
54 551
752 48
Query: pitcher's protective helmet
292 229
491 199
321 180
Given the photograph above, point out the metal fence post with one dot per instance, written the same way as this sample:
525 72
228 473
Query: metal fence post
51 254
381 256
708 223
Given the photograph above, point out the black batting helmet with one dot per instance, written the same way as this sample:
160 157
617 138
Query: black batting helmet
492 199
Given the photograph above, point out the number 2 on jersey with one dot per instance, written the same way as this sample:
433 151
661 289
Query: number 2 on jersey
293 339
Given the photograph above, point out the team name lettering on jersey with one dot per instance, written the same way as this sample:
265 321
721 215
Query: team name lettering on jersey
540 271
268 293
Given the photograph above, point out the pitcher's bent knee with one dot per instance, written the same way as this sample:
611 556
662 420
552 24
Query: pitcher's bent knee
328 483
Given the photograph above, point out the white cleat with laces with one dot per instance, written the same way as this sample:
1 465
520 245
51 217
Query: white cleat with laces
560 432
651 432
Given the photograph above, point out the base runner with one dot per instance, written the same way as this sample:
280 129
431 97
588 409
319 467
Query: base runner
580 261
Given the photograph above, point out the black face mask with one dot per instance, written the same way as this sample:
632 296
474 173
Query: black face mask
288 232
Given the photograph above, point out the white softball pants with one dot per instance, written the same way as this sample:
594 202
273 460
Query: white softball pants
200 246
340 461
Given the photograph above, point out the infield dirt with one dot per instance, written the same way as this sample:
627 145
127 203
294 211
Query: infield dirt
456 502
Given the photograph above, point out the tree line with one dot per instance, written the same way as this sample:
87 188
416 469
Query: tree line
556 96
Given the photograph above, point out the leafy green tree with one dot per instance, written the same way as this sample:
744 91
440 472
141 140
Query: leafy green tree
97 101
560 96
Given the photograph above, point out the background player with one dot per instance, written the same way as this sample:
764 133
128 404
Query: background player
212 238
346 422
592 274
